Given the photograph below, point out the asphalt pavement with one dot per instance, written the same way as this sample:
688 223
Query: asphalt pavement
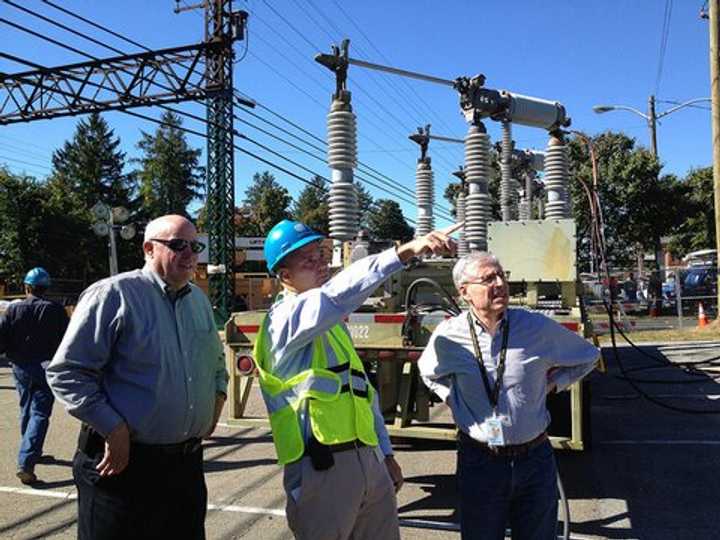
652 473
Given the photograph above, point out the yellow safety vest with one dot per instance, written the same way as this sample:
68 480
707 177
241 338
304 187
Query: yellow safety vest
339 395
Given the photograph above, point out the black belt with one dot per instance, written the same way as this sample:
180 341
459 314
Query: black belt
511 450
340 447
182 448
91 443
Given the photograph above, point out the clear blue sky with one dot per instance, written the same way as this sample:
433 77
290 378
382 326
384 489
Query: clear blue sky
578 53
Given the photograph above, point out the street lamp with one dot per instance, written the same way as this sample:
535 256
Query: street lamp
651 117
108 220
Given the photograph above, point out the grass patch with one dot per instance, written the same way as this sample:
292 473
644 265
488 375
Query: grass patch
708 333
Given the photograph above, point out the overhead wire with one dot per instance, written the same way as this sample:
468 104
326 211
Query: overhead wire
161 106
664 35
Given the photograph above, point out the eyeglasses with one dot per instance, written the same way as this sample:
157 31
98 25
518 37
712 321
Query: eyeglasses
490 279
179 244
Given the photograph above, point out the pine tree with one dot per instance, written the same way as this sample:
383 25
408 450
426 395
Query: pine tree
170 176
89 169
386 222
311 206
267 202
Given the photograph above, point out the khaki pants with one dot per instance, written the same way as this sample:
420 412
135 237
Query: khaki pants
353 500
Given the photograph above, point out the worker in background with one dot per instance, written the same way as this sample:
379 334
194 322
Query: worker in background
494 367
340 474
142 367
30 332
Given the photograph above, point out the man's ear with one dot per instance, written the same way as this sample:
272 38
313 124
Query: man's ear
463 293
148 248
283 274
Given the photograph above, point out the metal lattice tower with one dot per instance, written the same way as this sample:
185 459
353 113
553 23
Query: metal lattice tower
477 206
556 178
220 151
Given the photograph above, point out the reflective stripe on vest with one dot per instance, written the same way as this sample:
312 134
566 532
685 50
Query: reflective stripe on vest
337 391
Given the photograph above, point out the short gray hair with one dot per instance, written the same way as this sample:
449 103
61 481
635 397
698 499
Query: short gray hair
479 258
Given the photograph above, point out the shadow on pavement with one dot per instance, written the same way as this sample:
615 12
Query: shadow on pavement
440 495
654 470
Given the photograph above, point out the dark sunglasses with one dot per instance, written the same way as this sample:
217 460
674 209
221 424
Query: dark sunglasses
179 244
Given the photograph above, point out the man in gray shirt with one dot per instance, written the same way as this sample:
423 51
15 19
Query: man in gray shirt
494 367
142 366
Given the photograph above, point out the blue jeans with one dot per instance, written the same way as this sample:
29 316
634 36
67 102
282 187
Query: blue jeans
36 402
497 491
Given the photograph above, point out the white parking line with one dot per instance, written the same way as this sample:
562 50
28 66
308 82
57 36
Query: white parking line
412 523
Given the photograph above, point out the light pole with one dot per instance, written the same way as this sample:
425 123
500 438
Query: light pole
651 117
107 223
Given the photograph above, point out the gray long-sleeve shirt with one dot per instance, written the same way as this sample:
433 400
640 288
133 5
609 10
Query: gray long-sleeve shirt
132 352
540 353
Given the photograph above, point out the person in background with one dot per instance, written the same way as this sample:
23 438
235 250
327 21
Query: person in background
494 367
142 367
30 332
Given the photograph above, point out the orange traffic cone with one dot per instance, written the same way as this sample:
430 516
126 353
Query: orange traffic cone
702 318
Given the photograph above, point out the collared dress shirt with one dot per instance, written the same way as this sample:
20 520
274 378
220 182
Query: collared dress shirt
295 320
540 353
136 352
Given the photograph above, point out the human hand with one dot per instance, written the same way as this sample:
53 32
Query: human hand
395 472
117 451
436 242
219 404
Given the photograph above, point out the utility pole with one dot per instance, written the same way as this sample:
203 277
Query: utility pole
652 124
715 97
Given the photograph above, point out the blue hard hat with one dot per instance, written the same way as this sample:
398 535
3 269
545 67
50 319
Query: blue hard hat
286 237
37 277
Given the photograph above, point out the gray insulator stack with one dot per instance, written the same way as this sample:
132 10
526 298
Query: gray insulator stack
506 181
477 203
425 194
462 245
524 208
342 157
556 179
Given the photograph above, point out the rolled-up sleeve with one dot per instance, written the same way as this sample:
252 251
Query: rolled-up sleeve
569 355
436 376
75 372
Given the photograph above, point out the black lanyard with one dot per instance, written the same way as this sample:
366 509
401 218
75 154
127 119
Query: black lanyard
494 393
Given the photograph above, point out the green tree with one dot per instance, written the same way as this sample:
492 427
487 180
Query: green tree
267 202
170 176
87 169
21 224
365 204
639 205
386 222
697 231
311 206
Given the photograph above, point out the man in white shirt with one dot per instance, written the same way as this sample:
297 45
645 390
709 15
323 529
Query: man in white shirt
494 366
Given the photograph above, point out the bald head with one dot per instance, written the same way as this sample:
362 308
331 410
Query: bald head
176 268
159 227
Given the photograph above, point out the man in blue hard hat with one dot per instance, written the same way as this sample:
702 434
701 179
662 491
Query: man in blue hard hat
340 475
30 332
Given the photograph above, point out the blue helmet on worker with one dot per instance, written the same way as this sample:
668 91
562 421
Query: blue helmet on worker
37 277
286 237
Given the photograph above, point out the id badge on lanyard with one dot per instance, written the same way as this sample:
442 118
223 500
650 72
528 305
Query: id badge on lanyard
494 429
494 423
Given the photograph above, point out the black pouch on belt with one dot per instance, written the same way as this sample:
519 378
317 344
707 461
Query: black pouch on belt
320 455
90 442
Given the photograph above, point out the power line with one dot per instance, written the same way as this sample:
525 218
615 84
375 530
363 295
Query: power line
664 35
116 50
